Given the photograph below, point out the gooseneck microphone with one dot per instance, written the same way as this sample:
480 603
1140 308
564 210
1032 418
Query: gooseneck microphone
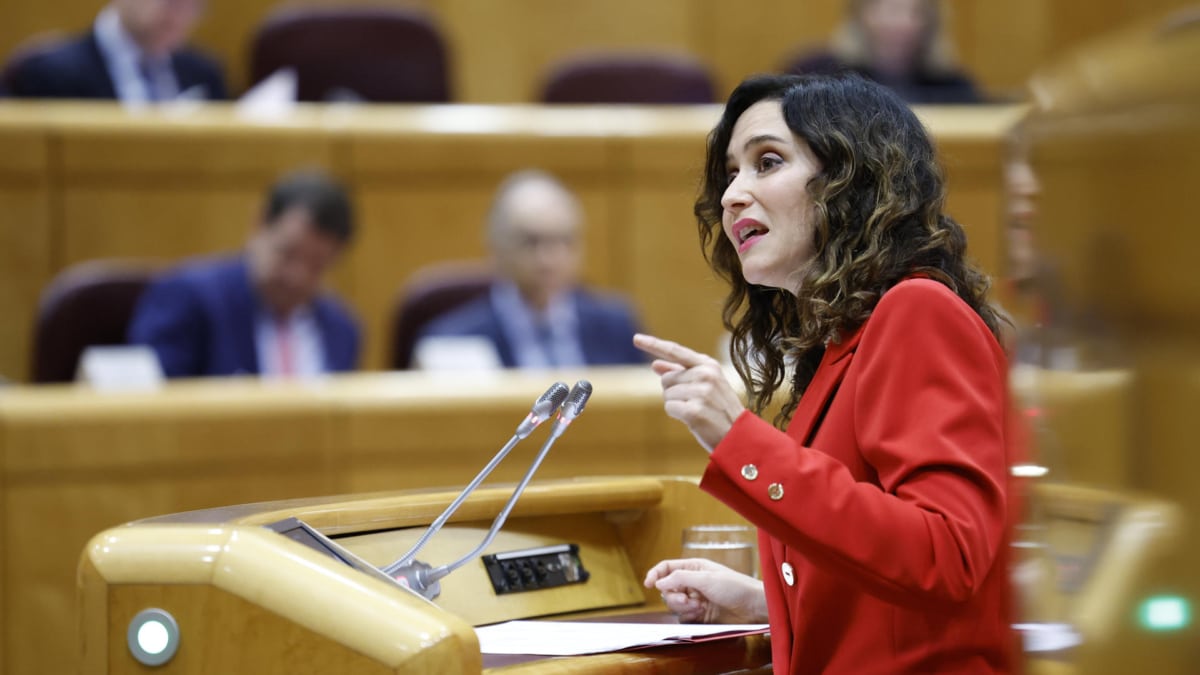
424 578
543 409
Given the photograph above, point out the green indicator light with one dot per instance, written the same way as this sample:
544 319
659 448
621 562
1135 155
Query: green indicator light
1165 612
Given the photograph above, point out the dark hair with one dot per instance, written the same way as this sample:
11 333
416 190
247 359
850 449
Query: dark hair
878 201
317 193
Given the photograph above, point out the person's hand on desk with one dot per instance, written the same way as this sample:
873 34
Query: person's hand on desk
695 390
702 591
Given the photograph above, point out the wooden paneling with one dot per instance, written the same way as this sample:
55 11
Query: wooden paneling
503 51
500 51
168 187
213 616
46 517
173 149
685 305
26 241
744 38
168 223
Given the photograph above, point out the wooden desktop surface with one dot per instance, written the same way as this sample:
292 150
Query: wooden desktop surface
84 181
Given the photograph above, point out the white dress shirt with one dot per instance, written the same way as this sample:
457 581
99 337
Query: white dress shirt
548 339
305 352
137 78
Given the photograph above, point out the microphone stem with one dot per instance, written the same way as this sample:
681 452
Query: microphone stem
439 572
445 515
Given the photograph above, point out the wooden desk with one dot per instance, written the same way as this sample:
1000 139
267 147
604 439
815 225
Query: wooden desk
73 463
93 181
226 579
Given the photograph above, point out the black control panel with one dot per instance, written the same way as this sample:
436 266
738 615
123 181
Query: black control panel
535 568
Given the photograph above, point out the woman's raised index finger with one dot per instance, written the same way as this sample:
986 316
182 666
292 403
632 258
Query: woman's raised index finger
668 351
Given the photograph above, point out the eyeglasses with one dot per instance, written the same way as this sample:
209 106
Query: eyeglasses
532 242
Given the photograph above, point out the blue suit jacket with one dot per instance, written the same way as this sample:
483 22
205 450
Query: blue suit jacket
606 328
200 320
77 69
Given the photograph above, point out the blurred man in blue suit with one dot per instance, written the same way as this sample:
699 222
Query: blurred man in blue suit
261 312
536 315
134 53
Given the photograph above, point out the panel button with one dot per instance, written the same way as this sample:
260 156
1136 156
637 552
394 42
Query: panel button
789 577
749 472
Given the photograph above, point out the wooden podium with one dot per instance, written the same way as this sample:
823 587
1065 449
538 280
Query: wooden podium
249 599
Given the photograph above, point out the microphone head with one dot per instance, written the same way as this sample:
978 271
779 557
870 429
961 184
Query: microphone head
543 408
550 401
578 397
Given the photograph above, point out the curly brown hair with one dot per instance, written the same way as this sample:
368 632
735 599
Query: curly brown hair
878 200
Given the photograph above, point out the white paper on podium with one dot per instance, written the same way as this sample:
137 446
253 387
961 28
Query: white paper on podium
1048 637
571 638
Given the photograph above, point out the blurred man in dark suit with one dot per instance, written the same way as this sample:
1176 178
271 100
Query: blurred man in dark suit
262 312
536 315
134 53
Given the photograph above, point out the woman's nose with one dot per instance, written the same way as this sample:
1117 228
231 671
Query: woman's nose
735 195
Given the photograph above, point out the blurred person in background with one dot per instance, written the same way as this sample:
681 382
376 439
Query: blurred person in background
899 43
536 315
134 53
263 311
1043 324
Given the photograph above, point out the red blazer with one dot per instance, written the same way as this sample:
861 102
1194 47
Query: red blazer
882 511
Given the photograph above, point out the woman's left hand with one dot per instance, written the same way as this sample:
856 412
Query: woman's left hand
695 390
702 591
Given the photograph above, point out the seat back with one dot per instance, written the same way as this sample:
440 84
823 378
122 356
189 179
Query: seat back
372 54
88 304
629 78
431 292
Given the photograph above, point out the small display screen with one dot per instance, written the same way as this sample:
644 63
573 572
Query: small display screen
301 532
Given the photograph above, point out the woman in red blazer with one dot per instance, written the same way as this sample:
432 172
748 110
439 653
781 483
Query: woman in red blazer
883 509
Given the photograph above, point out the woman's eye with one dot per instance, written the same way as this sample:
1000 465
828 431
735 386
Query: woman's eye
768 162
730 175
